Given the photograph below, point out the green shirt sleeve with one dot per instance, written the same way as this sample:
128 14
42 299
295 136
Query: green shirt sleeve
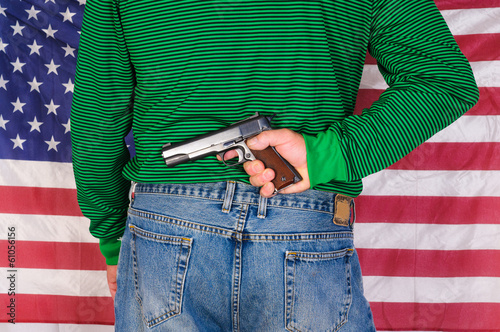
324 158
110 249
430 85
101 117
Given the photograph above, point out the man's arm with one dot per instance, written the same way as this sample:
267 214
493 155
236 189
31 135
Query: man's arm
101 117
430 85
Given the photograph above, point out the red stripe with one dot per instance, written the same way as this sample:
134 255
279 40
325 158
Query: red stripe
466 4
388 316
55 255
476 47
457 317
32 200
423 209
452 156
59 309
488 104
428 210
480 47
369 60
365 99
429 263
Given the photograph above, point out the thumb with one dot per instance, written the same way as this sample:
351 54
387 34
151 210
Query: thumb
266 138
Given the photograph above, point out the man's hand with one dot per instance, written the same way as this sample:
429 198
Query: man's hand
291 146
111 274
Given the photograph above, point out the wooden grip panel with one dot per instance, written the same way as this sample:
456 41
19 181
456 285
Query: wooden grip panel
285 174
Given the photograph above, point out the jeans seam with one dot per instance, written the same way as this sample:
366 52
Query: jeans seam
245 237
182 223
291 261
237 201
349 296
238 248
184 248
236 285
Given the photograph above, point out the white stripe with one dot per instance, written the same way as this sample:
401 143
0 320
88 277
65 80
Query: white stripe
30 327
372 78
470 128
473 21
47 228
432 290
60 175
426 236
395 182
56 282
36 174
486 73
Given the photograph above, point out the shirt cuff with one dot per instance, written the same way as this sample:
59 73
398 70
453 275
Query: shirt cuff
325 161
110 249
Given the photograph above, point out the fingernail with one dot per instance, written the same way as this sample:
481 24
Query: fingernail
268 175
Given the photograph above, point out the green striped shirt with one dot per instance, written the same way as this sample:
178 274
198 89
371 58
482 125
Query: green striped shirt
172 70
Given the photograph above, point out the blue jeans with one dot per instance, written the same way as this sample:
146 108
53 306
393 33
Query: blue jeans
219 257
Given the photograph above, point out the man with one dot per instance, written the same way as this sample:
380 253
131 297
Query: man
201 249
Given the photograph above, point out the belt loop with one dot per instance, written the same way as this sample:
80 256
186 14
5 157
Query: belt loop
262 207
131 193
228 196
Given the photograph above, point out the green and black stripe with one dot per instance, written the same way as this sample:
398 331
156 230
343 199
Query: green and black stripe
176 69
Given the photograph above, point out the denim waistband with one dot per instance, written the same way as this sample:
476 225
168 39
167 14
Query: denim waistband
244 193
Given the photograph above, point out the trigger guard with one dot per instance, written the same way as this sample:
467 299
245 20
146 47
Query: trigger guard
241 157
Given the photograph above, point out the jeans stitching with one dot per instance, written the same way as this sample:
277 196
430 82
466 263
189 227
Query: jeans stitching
290 260
289 292
184 253
238 201
239 235
348 302
228 197
236 285
237 266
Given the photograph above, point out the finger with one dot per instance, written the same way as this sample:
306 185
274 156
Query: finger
267 190
111 276
228 155
112 291
262 178
254 167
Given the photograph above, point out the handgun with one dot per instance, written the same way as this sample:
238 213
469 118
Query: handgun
234 137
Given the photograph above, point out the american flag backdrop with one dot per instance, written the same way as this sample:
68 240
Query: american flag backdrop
427 229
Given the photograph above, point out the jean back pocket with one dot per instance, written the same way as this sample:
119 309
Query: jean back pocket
160 265
318 290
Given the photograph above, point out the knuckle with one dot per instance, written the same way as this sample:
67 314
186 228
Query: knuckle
256 181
